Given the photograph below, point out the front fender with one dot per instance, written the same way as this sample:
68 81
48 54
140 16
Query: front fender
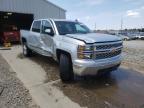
68 45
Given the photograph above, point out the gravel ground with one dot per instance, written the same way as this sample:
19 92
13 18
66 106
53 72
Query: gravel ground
12 92
133 54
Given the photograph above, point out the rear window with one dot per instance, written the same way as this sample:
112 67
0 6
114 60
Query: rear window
36 26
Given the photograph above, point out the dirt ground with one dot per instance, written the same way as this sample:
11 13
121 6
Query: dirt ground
115 91
133 55
122 89
35 79
13 94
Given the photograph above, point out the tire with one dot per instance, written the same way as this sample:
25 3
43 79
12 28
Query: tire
1 42
66 72
26 51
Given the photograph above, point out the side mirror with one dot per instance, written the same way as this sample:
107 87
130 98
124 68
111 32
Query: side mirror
49 31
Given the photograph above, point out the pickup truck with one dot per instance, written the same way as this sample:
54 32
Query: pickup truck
71 43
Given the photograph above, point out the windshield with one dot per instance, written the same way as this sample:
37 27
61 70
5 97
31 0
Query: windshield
65 27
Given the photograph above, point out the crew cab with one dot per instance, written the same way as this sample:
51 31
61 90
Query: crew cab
74 46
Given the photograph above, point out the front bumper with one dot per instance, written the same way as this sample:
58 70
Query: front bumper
91 67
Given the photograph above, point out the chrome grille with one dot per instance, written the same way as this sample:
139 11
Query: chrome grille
107 50
108 46
107 54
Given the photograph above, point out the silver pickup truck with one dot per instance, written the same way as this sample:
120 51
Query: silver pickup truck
71 43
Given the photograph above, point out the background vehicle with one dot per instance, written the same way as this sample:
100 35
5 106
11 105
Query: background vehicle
9 33
125 38
72 44
141 36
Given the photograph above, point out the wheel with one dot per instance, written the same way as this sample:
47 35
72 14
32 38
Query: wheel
1 41
66 72
26 51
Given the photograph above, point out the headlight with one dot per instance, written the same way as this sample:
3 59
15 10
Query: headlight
85 52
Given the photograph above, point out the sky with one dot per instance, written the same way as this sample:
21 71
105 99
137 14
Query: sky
105 14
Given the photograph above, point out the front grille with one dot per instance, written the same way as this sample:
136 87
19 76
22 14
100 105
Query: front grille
107 54
108 46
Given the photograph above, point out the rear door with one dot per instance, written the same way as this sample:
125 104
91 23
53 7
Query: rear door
46 38
34 38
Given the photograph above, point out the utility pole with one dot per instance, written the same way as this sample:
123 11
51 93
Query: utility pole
121 24
95 26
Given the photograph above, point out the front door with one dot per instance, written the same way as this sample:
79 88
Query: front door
47 38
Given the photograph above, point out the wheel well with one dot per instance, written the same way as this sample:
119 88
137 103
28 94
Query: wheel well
23 40
59 52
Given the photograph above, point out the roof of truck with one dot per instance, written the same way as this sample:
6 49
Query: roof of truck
56 20
62 20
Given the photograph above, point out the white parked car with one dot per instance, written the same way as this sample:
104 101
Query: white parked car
140 37
125 38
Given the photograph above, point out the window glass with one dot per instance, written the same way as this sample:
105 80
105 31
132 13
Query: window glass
65 27
36 26
46 25
80 28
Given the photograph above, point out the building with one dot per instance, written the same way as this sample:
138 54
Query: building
21 13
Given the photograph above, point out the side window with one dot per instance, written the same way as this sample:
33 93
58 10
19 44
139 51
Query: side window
36 26
46 25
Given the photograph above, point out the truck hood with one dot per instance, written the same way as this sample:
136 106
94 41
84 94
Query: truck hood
94 37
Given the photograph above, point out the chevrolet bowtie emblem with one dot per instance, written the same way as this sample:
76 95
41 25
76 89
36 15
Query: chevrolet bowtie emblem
113 50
